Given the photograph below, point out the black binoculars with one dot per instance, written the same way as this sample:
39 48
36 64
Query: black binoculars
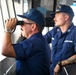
20 23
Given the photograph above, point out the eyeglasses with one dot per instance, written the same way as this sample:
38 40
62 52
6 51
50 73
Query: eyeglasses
26 23
22 23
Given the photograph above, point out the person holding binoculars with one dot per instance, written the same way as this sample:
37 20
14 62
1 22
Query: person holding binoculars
32 54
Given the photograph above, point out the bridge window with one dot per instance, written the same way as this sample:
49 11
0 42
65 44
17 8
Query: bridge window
4 14
74 9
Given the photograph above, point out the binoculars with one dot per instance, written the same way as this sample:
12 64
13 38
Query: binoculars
20 23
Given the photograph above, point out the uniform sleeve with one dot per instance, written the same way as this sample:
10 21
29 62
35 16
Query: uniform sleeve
20 54
48 37
22 50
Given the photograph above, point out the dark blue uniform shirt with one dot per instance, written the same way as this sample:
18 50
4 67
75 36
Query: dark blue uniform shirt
63 44
33 56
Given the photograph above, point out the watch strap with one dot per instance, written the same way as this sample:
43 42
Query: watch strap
59 63
8 30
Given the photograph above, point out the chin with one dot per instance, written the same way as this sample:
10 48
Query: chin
56 25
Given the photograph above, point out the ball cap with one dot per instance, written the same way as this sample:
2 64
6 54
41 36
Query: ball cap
65 9
35 16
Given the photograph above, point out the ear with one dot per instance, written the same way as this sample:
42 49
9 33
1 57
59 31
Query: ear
66 17
33 27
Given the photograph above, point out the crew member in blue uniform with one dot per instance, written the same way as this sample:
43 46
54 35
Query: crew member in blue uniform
33 54
63 39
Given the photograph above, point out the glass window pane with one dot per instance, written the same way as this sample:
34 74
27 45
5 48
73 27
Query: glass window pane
74 9
1 34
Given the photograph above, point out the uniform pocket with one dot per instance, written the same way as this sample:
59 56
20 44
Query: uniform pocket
68 43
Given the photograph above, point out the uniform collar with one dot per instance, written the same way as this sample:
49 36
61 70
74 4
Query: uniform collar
35 35
68 30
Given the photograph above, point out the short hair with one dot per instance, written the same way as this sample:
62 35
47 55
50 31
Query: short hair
40 28
70 17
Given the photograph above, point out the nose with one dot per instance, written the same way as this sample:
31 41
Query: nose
54 18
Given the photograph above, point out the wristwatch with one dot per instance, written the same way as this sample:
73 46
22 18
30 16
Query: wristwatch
8 30
59 63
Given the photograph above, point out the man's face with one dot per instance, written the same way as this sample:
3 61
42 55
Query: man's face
60 19
26 29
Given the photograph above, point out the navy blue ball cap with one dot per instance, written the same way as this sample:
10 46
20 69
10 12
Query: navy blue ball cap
65 9
34 15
